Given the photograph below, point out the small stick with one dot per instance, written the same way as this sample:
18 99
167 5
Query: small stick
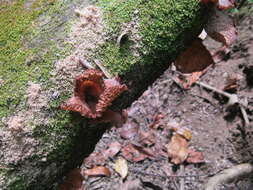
233 99
229 175
103 69
244 115
86 64
181 181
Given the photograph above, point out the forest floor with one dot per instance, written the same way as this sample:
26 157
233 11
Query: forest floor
218 130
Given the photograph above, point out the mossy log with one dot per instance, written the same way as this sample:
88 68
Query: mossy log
41 44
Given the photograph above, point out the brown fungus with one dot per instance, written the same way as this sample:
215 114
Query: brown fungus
93 94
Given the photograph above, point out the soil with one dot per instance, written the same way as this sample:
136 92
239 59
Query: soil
217 129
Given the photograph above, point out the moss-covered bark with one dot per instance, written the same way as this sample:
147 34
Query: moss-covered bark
39 142
155 33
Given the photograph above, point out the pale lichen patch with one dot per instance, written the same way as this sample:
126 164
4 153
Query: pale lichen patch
19 143
16 147
35 99
16 124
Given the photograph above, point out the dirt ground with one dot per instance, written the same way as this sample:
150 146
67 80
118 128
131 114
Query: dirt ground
217 130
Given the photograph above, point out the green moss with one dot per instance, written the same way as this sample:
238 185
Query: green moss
166 28
16 23
163 26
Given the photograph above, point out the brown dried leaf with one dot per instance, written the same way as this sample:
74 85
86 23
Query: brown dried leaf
130 153
178 149
109 116
147 138
232 83
195 157
94 159
221 28
160 149
147 151
92 94
187 81
129 130
97 171
186 133
73 181
113 149
156 121
196 58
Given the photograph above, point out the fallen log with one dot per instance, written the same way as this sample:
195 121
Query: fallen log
41 55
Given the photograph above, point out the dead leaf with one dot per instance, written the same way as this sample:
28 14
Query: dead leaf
231 83
196 58
73 181
195 157
99 158
113 149
178 149
183 131
94 159
109 116
97 171
121 167
129 130
147 138
160 149
156 121
221 28
130 153
147 151
186 81
92 94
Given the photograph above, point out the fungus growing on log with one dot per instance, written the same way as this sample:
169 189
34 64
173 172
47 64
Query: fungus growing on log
93 94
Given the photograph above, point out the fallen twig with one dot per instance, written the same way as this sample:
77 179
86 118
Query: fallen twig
86 64
232 99
103 69
181 181
244 115
229 175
